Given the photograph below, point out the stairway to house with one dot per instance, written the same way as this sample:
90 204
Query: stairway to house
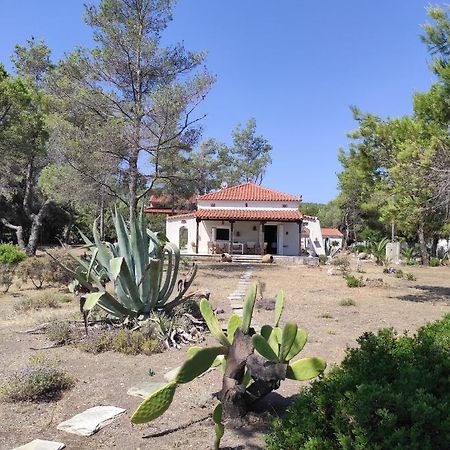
246 259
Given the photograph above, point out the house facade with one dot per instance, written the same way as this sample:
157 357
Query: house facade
245 219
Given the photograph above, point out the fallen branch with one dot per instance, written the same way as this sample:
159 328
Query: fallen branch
54 345
34 330
173 430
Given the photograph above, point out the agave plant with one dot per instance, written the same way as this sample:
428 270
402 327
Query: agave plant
141 266
378 249
253 364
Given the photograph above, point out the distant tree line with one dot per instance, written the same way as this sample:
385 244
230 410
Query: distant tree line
108 126
396 172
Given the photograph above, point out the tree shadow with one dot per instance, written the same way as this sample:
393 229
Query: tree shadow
426 294
257 422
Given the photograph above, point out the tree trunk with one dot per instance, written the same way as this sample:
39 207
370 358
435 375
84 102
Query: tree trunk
132 187
434 246
423 245
36 225
19 232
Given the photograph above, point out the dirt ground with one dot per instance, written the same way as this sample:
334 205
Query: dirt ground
313 299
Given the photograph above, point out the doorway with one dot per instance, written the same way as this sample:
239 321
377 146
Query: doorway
270 236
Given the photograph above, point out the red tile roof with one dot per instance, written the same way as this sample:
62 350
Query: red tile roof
244 214
331 232
249 192
160 210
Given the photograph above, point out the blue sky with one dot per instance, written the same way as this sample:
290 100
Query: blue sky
296 66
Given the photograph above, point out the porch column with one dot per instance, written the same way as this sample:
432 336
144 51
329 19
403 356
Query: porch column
197 234
231 236
261 237
300 222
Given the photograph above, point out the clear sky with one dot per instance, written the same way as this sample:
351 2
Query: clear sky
295 65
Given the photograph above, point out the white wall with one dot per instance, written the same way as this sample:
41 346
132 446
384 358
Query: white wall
288 233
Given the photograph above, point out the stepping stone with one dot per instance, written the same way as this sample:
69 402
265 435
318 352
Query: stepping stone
39 444
90 421
144 389
171 375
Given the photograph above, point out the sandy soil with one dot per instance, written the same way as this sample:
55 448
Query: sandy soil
312 300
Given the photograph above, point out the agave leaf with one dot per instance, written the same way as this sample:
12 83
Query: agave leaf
106 301
233 324
173 253
306 369
151 277
104 253
139 244
249 304
122 276
200 362
279 305
298 344
123 240
263 348
186 285
155 405
212 322
287 339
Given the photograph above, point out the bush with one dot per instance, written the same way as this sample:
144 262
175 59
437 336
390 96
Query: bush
391 393
435 262
36 269
44 299
353 282
38 381
399 273
122 341
342 263
11 254
410 276
322 259
6 276
347 302
59 331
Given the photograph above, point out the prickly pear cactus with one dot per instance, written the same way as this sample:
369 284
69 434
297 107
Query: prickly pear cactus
253 364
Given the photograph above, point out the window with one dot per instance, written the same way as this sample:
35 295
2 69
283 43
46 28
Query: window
222 234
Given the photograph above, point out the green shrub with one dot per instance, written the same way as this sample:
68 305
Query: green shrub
44 299
38 381
435 262
353 282
342 263
322 259
11 254
391 393
410 276
59 331
399 273
347 302
122 341
6 276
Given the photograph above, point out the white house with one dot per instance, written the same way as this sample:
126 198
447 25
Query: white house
245 219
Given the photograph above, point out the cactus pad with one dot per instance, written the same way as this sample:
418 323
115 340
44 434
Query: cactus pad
279 304
249 304
287 339
212 322
298 344
263 348
305 369
233 324
155 405
200 362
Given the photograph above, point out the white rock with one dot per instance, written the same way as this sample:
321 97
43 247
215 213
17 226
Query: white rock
143 390
90 421
40 444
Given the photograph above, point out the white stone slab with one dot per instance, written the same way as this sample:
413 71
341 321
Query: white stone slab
171 375
40 444
90 421
144 389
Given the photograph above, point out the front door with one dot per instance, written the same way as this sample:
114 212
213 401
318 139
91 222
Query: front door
270 236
